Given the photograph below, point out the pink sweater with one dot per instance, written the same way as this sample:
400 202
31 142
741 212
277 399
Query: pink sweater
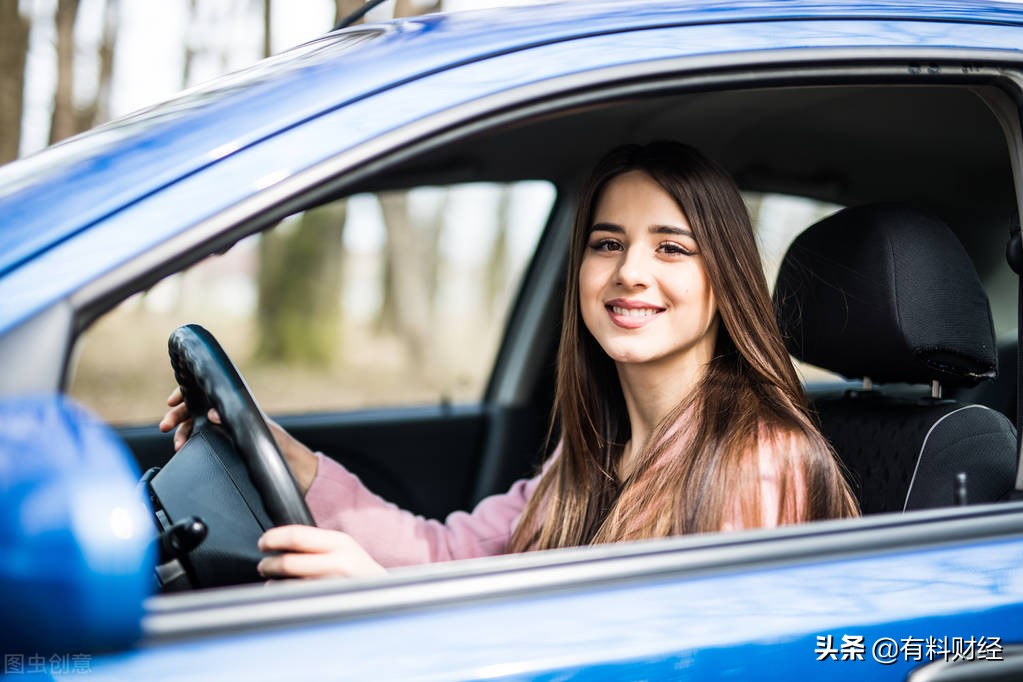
394 537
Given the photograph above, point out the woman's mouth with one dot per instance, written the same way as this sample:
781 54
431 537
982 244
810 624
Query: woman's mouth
633 312
630 315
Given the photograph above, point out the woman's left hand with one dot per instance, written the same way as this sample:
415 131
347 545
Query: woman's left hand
308 552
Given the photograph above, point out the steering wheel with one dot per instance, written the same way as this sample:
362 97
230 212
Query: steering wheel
234 478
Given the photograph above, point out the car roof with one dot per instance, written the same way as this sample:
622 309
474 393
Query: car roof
51 196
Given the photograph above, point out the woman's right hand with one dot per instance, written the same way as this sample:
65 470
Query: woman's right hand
301 460
307 552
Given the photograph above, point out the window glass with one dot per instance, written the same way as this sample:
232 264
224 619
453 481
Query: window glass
389 299
777 220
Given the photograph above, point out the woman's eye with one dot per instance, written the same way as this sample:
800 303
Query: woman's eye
605 245
675 249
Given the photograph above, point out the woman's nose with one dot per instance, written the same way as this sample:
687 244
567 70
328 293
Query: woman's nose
633 269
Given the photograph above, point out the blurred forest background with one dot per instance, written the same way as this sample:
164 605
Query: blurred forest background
69 65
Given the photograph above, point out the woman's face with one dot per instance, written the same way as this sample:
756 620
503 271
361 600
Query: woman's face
643 288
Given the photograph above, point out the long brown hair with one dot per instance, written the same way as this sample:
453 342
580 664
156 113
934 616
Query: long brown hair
701 467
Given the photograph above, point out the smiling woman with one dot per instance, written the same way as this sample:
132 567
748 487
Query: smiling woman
679 408
641 247
910 106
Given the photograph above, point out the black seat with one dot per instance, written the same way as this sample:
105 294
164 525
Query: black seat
999 394
886 293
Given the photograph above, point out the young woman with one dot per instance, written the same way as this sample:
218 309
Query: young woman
678 406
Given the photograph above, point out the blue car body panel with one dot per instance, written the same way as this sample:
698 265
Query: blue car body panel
238 169
762 624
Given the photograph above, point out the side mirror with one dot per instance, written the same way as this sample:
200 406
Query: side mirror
76 536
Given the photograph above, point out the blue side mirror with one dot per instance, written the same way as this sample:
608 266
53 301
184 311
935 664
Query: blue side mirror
76 536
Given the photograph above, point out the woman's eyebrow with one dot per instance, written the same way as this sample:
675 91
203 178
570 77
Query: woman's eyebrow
654 229
607 227
671 229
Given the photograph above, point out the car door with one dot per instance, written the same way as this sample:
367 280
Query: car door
770 602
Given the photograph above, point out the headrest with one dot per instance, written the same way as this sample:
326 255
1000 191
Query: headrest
887 292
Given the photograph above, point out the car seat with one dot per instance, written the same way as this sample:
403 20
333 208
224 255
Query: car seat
886 293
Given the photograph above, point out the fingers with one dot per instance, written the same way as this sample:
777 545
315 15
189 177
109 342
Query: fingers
314 553
176 415
179 417
303 566
298 538
176 397
182 434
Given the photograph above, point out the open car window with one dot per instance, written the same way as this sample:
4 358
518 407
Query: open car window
366 302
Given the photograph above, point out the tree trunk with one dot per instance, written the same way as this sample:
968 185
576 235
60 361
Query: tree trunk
268 43
497 265
408 8
190 49
13 48
98 110
299 288
407 301
63 122
342 8
434 230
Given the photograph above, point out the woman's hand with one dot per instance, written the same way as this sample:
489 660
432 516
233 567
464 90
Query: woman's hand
178 417
300 459
309 552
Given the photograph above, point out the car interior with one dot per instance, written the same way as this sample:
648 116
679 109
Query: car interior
885 292
925 172
933 154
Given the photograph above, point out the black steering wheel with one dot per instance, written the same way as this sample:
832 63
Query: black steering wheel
233 477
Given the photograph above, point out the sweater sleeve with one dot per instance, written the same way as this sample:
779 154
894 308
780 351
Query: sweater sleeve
394 537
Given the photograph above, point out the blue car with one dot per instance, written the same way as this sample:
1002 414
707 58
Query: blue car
880 149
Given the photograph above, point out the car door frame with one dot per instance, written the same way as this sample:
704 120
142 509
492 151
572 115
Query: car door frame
910 533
